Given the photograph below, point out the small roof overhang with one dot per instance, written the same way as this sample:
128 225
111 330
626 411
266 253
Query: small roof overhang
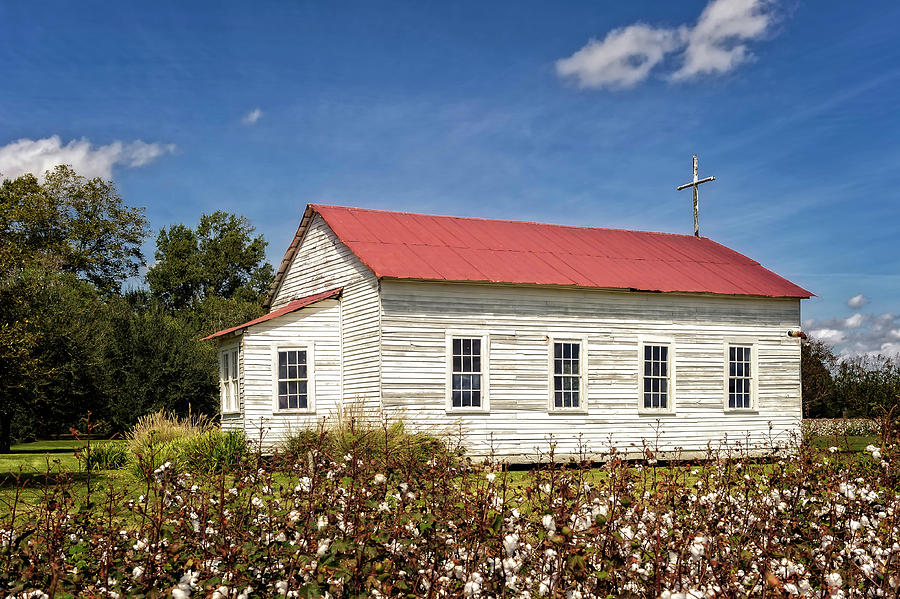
291 306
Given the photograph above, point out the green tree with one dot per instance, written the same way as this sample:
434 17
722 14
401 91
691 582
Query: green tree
221 258
817 360
64 241
57 373
76 225
160 361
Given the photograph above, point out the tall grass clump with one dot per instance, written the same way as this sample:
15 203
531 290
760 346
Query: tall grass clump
370 436
188 444
102 455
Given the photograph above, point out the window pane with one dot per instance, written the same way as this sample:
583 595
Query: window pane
457 399
234 364
476 347
457 346
476 398
225 366
282 402
457 364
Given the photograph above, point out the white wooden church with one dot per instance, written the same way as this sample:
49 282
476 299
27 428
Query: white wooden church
516 332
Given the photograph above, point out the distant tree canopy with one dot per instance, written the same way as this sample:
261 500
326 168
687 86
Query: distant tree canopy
72 224
221 258
856 386
71 342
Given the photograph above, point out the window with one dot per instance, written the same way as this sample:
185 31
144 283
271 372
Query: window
467 373
293 379
740 377
229 380
567 375
656 378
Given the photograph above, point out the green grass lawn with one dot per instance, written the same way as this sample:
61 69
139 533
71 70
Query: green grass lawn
32 466
851 444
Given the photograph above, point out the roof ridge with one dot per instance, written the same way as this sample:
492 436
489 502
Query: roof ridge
507 220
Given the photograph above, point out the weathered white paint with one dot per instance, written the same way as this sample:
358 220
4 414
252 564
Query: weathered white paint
521 322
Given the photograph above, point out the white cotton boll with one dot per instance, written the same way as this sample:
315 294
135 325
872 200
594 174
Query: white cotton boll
304 484
384 507
876 454
220 593
323 547
404 487
627 533
281 587
511 544
137 572
832 449
380 479
698 548
834 580
322 522
490 476
548 523
854 525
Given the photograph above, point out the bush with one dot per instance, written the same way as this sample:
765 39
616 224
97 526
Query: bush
387 444
103 455
192 444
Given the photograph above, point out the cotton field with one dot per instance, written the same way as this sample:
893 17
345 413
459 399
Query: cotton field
817 523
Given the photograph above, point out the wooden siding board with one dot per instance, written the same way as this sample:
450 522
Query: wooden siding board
416 315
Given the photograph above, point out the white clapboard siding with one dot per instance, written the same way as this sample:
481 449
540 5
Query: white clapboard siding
520 321
317 326
323 262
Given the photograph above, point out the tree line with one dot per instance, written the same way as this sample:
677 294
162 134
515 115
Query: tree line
87 328
865 386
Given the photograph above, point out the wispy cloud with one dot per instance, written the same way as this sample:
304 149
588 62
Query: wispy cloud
252 117
716 44
39 155
623 58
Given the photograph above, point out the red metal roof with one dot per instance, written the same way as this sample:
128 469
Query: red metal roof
292 306
443 248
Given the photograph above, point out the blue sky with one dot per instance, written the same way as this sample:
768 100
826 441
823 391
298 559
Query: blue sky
503 110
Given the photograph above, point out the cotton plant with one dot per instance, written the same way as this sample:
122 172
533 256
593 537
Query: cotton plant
812 524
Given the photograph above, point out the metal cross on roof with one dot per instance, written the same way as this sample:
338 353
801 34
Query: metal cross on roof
695 184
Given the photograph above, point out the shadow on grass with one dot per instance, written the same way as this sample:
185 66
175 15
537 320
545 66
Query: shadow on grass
53 450
31 480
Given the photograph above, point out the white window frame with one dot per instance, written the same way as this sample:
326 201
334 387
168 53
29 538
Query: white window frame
485 406
309 348
230 385
671 371
582 375
754 373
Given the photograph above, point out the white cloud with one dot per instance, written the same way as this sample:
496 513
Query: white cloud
854 321
39 155
715 45
829 336
857 301
860 334
251 117
624 57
